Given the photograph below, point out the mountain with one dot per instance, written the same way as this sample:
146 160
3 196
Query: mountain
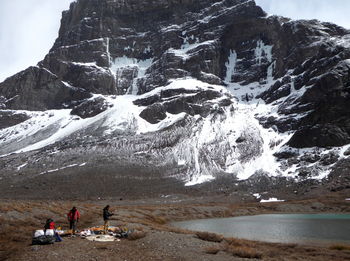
140 98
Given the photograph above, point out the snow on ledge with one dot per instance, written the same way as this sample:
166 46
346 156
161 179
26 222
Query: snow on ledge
199 180
257 195
271 200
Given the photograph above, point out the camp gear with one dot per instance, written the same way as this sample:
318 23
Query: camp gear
39 233
85 233
43 240
49 232
101 238
58 238
124 232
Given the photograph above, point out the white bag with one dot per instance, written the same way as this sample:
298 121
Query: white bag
50 232
38 233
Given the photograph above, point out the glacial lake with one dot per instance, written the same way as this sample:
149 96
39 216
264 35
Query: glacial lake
279 228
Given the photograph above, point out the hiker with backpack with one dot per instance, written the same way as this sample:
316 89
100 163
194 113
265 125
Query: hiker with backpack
106 217
73 218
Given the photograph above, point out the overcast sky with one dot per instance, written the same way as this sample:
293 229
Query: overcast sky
28 28
336 11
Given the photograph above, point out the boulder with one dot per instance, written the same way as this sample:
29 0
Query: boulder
154 113
11 118
91 107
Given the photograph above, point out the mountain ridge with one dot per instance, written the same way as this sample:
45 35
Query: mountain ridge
200 90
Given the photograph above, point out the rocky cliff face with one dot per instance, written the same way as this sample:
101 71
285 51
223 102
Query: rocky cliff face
198 89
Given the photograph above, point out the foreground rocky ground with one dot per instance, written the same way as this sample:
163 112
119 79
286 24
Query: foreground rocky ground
162 242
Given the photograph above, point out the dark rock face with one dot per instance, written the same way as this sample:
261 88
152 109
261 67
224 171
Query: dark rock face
11 118
347 152
38 89
328 124
139 31
339 178
175 101
90 108
329 159
154 113
319 136
276 92
321 67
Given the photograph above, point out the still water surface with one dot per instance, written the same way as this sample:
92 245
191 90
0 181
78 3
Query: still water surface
285 228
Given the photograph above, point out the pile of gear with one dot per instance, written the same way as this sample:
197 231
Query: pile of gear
99 234
104 233
48 235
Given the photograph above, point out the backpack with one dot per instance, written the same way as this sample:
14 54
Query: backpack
43 240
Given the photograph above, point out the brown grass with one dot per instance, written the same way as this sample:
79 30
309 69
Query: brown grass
339 247
213 250
212 237
17 233
137 235
156 219
153 217
239 242
178 230
243 251
242 248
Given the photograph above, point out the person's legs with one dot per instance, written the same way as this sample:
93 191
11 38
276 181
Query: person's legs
74 227
71 226
105 226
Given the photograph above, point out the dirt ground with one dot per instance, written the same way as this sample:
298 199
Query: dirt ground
18 219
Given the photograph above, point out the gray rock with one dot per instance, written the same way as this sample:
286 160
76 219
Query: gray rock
91 108
329 159
347 152
154 113
319 136
11 118
38 89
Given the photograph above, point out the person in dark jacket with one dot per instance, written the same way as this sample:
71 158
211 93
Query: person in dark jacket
73 218
106 217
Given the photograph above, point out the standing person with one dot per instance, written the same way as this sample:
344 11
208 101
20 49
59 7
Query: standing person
106 216
73 218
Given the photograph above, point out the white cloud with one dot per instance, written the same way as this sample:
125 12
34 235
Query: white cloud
28 29
335 11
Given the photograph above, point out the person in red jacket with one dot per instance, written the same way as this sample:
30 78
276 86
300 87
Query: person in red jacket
73 218
49 225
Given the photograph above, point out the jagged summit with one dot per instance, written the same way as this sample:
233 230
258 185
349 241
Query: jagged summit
185 90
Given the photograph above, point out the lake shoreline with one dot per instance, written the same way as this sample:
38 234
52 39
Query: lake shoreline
321 229
162 241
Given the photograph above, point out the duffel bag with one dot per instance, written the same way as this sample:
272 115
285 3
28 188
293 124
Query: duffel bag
43 240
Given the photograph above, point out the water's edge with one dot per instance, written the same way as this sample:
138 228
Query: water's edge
307 229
